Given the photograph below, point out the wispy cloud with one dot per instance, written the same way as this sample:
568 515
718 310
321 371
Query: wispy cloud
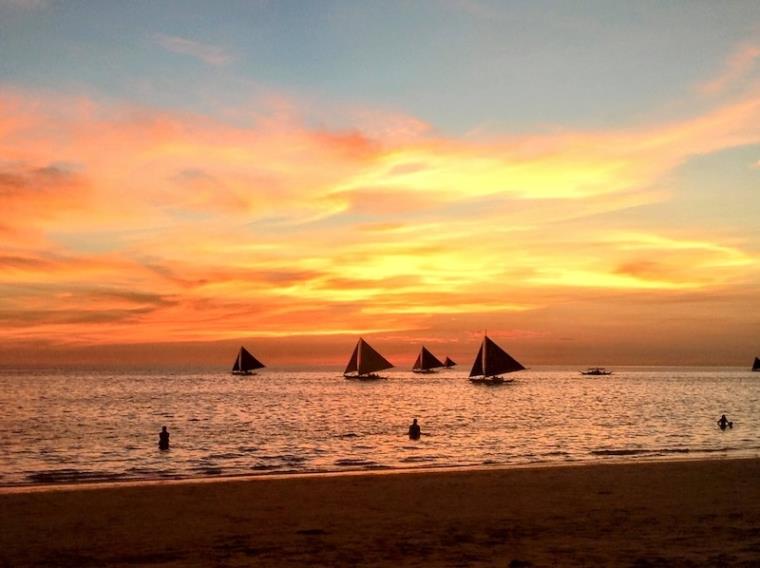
737 67
211 54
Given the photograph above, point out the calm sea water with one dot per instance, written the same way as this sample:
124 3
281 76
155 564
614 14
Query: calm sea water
63 426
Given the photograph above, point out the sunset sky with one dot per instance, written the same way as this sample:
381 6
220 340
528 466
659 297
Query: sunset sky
178 178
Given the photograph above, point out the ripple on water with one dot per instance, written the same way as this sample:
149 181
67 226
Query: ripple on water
418 459
225 456
355 462
72 476
292 460
207 470
93 425
144 470
638 452
263 467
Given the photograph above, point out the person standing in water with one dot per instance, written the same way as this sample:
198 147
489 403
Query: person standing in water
163 439
414 430
723 422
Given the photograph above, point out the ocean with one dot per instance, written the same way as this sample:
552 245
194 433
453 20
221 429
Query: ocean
64 426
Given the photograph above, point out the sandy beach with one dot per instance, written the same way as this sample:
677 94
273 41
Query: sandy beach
643 514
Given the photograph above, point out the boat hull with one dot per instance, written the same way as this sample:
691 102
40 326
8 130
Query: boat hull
370 377
491 381
596 372
244 373
424 371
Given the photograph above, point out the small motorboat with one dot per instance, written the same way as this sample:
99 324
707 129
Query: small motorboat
596 371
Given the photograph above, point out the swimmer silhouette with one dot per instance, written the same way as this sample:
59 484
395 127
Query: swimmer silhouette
723 422
414 430
163 439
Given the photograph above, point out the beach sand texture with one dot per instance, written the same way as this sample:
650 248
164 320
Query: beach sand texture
683 513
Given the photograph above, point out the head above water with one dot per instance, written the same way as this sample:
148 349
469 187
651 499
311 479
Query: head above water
163 428
414 421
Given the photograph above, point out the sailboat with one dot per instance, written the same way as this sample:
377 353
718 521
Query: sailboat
245 363
756 364
492 361
365 362
426 362
449 363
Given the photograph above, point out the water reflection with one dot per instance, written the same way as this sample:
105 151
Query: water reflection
61 426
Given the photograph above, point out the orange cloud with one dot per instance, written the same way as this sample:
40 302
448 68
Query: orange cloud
736 68
128 224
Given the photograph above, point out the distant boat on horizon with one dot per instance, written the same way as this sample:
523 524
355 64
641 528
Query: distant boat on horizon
426 362
365 362
756 364
596 371
491 362
449 363
245 363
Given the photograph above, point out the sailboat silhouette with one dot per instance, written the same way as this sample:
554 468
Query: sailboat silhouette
245 363
426 362
365 362
491 362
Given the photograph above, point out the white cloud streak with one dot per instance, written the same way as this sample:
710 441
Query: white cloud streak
207 53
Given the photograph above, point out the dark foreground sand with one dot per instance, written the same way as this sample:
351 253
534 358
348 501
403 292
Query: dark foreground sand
647 514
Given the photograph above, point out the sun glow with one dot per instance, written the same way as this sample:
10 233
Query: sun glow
130 224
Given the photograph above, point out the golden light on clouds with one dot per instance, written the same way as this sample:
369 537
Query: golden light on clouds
126 224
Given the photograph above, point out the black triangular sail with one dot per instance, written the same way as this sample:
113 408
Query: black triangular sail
430 361
448 363
498 361
370 361
477 366
245 362
492 360
418 362
756 364
365 361
352 366
426 361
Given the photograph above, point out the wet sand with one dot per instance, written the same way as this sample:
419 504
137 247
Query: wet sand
682 513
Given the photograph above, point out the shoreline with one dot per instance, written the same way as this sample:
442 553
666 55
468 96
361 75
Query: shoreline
85 485
681 512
